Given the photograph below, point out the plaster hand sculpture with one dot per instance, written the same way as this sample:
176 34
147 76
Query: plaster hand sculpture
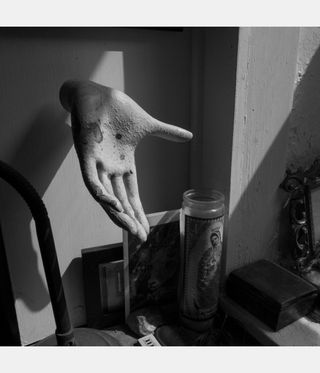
107 125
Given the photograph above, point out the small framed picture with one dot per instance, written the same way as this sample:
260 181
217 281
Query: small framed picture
151 269
111 286
103 285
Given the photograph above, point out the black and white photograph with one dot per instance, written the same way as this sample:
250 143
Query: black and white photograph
151 268
160 183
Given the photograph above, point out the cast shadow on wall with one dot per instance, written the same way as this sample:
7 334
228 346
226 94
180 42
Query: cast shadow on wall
44 141
170 106
38 157
303 134
73 277
41 151
303 119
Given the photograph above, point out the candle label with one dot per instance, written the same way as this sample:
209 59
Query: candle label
201 266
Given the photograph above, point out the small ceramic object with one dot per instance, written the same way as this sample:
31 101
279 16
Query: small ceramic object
145 320
107 126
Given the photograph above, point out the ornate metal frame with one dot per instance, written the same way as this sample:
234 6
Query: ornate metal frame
300 184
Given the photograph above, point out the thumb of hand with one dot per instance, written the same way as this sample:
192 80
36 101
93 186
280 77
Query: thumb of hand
170 132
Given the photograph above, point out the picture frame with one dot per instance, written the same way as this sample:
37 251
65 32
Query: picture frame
313 215
94 260
151 269
303 187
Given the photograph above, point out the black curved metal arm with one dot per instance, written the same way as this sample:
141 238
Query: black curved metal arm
64 331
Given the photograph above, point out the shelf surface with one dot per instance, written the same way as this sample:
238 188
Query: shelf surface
302 332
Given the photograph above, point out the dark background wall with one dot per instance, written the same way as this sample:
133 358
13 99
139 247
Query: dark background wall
151 66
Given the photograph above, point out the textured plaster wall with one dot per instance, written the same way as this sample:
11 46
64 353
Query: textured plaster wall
264 92
277 125
153 67
304 133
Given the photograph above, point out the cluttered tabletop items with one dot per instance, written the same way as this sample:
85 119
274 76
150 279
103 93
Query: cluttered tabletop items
275 308
269 303
173 258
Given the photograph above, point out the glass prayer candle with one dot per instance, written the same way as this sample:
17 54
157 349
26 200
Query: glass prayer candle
201 232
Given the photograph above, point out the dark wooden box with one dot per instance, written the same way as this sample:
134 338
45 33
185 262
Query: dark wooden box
273 294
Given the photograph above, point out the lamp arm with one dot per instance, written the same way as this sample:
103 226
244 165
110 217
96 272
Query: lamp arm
64 331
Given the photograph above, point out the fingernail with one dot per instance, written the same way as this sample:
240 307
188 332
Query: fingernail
117 208
142 236
147 228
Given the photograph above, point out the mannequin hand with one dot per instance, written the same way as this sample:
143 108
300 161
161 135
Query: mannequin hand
107 125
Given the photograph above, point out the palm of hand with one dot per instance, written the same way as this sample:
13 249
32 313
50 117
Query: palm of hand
107 125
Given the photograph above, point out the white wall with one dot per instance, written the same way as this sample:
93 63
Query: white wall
245 100
265 84
153 67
